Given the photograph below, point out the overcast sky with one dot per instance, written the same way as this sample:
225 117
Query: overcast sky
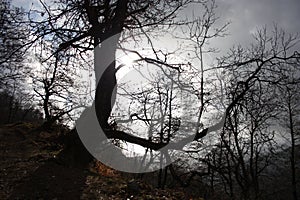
245 17
248 15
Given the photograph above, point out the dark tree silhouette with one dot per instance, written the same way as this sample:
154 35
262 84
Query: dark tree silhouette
12 38
83 25
13 71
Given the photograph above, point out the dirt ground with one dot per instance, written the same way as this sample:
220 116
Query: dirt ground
29 169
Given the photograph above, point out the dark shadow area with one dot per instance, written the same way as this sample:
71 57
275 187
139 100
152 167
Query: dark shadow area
36 165
51 181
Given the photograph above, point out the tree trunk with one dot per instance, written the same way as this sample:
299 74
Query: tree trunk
74 154
292 158
105 67
105 95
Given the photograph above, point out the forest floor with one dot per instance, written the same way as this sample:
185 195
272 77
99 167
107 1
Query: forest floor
29 170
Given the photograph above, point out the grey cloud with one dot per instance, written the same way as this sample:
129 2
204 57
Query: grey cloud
247 16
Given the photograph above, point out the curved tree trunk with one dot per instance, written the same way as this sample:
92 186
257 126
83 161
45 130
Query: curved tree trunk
105 50
105 95
105 67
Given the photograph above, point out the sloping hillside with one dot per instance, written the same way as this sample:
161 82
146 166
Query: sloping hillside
31 169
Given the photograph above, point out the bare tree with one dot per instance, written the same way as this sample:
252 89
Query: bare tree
288 98
83 25
54 82
13 70
13 35
247 82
